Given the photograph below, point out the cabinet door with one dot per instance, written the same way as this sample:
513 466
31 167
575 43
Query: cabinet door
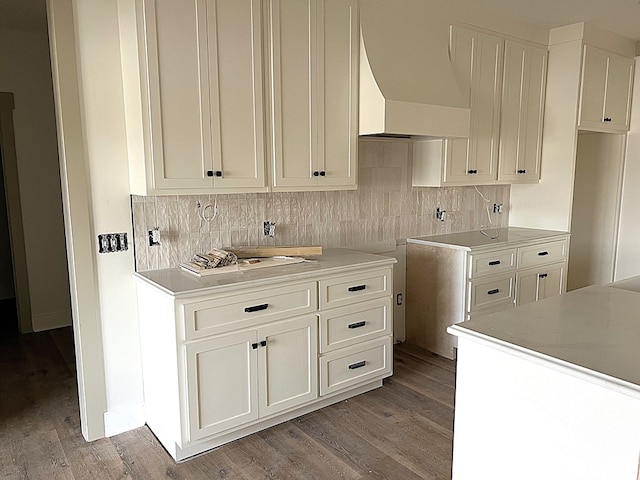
288 364
618 97
477 61
221 384
178 94
293 92
313 85
234 36
536 284
523 88
338 84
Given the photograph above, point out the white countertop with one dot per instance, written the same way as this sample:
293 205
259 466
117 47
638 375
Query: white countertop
476 240
595 330
176 282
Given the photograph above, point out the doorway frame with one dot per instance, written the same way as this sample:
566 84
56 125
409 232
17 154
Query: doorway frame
14 212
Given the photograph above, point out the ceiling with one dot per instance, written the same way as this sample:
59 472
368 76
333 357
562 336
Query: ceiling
620 16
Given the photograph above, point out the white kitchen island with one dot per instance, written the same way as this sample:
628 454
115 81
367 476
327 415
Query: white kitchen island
551 390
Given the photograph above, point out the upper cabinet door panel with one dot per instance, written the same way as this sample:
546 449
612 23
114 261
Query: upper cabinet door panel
477 63
237 106
178 93
337 122
594 84
293 95
523 94
618 95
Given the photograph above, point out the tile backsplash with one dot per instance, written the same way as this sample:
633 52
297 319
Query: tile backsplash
385 207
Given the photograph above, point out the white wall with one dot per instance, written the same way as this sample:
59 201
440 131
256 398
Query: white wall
596 196
26 72
102 105
628 254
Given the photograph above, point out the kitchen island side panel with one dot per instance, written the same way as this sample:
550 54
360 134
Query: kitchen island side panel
435 296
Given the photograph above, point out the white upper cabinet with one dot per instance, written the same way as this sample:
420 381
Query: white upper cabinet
605 97
312 88
194 89
523 94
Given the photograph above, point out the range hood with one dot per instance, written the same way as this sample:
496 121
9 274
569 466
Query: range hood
407 83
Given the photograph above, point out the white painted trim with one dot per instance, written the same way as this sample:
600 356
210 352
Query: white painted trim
49 321
123 419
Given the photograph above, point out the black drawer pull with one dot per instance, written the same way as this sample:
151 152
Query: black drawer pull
353 366
254 345
357 324
263 343
256 308
357 288
495 262
542 275
607 119
542 254
494 291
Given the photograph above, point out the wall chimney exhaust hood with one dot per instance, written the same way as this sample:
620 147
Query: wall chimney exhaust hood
407 83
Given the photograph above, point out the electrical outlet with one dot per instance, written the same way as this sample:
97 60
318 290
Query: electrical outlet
269 229
497 208
154 237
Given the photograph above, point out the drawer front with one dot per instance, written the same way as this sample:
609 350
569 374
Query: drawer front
543 253
223 313
342 327
490 292
357 287
353 365
492 263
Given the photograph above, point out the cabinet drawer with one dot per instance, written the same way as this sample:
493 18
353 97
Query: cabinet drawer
489 292
349 325
223 313
349 366
549 252
492 262
357 287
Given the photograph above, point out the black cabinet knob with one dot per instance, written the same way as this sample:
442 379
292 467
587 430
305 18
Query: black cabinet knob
316 173
209 173
218 173
323 173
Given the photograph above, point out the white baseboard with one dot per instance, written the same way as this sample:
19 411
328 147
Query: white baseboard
123 419
50 321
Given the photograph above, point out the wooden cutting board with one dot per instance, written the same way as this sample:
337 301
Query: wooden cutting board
268 251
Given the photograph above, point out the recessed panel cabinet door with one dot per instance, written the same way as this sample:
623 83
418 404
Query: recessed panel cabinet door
477 61
180 121
523 89
222 384
536 284
237 114
288 364
338 85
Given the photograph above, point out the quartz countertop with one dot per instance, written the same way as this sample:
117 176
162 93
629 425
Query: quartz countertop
476 240
595 330
176 282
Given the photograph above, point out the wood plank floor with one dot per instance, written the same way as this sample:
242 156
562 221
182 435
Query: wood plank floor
400 431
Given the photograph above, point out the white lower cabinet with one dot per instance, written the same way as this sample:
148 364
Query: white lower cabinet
219 366
456 277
